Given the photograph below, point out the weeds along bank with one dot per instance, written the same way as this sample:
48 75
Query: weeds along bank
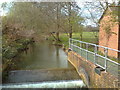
13 49
13 43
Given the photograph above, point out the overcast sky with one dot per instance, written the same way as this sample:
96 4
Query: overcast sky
80 3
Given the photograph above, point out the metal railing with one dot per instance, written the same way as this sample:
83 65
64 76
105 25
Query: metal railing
91 52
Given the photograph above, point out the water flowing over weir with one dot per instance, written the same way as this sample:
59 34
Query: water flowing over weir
53 84
43 66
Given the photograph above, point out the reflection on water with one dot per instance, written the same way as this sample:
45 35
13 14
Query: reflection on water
42 56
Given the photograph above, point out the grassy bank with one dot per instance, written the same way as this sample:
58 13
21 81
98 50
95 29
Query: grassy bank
87 37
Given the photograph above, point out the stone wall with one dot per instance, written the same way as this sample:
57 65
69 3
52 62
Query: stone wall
86 70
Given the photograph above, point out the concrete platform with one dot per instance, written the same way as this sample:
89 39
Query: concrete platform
23 76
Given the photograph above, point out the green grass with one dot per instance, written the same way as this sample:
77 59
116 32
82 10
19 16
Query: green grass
87 37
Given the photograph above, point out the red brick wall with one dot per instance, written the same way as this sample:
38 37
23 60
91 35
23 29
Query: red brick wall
119 39
104 80
112 40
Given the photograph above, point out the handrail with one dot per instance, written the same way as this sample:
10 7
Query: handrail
95 54
96 45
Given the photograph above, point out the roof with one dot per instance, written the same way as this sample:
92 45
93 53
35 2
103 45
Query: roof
111 8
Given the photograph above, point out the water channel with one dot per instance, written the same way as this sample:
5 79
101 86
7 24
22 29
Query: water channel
43 65
43 56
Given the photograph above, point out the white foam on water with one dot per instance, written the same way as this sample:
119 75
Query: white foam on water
51 84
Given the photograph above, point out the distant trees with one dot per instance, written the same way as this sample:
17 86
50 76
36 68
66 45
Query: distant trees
52 18
46 17
74 19
96 9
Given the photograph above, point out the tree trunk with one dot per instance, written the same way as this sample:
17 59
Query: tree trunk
57 33
70 35
53 36
57 36
81 38
69 19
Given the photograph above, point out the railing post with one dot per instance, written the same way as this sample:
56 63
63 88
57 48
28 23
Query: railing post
106 54
72 43
76 45
69 43
95 52
86 51
80 45
81 49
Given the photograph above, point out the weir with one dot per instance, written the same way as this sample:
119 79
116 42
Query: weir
43 66
50 84
45 78
96 70
91 69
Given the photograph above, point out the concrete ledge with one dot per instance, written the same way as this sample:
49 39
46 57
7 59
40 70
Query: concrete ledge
86 70
42 75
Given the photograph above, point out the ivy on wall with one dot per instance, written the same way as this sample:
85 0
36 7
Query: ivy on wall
107 25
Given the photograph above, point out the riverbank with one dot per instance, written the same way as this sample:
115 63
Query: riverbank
64 39
42 56
9 52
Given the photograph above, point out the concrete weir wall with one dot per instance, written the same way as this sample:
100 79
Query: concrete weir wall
86 70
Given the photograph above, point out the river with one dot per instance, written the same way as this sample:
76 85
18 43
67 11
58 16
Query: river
42 56
43 65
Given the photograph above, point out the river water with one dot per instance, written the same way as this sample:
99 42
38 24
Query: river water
43 55
44 66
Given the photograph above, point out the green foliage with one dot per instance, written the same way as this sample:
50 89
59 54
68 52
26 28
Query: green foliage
87 37
11 50
44 18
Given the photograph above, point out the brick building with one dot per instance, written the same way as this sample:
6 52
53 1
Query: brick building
109 31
